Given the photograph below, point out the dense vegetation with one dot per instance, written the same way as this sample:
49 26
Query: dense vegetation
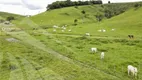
68 3
9 17
111 10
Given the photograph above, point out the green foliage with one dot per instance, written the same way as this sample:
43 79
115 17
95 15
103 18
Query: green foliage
1 20
108 2
68 3
99 16
116 9
10 18
4 16
83 12
75 21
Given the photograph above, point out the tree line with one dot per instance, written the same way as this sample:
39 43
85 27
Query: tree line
68 3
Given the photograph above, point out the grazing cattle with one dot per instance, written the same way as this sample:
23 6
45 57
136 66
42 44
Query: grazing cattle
102 55
87 34
55 26
104 30
64 28
99 30
133 70
54 30
112 29
70 30
94 50
131 36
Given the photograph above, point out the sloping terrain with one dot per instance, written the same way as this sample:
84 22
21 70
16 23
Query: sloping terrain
4 15
34 51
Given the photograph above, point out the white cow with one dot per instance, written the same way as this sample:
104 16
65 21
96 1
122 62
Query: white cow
63 31
94 50
87 34
99 30
55 26
104 30
70 30
54 30
133 70
64 28
102 55
112 29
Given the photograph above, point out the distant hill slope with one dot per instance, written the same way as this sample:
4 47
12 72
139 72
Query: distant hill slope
68 15
124 24
4 15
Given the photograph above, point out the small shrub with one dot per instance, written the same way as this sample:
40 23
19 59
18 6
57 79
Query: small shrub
12 67
75 22
10 18
17 57
38 68
83 37
76 7
79 47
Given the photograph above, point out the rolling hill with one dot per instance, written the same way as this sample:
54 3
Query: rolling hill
34 51
4 15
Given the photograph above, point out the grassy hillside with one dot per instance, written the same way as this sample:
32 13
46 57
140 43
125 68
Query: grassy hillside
124 24
36 52
68 15
65 16
4 15
128 22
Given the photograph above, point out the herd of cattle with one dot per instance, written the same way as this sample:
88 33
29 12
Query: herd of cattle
131 69
87 34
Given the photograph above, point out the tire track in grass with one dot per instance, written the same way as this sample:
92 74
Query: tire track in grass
25 37
1 58
16 71
47 74
4 67
31 73
78 62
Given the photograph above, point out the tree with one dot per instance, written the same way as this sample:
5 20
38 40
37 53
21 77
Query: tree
67 3
10 18
83 12
75 22
108 13
108 2
99 17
